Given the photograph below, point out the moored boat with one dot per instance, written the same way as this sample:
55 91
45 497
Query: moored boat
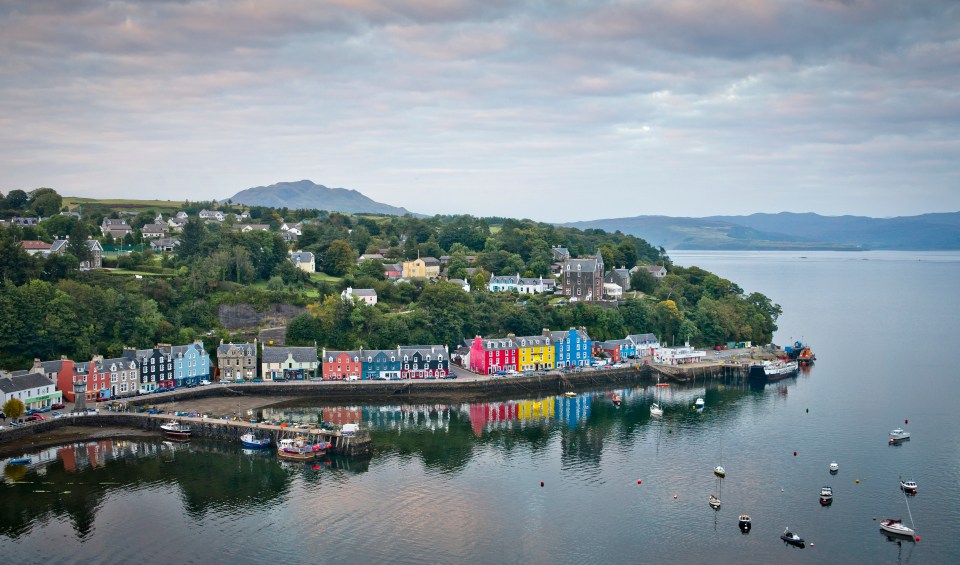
176 429
899 434
714 502
19 461
826 496
744 523
792 538
699 403
570 394
617 400
720 471
896 527
769 371
834 467
908 486
300 449
250 440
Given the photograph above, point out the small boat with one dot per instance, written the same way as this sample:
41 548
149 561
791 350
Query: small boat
699 403
826 496
252 441
769 371
20 461
834 467
896 527
714 502
656 410
300 449
617 400
176 429
719 471
899 434
744 523
792 538
570 394
908 486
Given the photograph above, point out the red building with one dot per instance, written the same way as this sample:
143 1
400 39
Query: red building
610 348
489 356
341 365
60 372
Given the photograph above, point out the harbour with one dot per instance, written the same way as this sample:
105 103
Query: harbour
458 480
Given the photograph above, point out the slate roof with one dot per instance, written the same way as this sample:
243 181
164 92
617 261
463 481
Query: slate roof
301 257
58 245
21 380
532 341
246 349
364 292
560 253
637 339
431 261
272 354
181 350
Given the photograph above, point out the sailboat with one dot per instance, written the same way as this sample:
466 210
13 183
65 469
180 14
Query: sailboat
719 470
714 499
896 526
655 409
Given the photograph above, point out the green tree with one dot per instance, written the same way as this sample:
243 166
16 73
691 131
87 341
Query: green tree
339 258
13 408
45 202
16 200
642 281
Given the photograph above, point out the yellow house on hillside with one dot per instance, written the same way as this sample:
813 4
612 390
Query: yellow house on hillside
534 353
421 268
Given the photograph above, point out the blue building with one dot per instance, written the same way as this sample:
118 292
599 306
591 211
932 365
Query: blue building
380 364
191 364
572 348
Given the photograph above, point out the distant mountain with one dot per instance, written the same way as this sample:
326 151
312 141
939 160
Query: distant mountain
788 230
307 194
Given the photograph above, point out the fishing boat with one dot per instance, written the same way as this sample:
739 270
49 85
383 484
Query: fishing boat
908 486
801 353
744 523
834 467
769 371
176 429
719 471
250 440
826 496
300 448
792 538
714 502
899 434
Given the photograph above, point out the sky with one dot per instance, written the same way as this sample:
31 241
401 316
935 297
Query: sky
553 110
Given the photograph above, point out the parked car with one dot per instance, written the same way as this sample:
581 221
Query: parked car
45 409
31 412
204 382
58 406
35 418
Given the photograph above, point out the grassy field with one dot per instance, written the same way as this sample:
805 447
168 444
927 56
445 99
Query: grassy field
73 202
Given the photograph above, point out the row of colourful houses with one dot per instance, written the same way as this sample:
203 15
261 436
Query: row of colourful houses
404 362
551 350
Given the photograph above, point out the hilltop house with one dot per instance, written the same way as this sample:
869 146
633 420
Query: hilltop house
303 260
583 278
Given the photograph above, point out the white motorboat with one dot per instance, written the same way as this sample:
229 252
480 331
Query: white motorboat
834 467
908 486
899 434
720 471
699 403
176 429
826 495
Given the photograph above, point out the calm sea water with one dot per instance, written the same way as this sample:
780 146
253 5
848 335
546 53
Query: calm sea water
462 483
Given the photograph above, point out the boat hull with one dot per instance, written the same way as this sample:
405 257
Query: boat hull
767 374
895 527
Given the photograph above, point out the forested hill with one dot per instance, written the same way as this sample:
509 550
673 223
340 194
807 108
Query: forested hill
788 230
306 194
49 308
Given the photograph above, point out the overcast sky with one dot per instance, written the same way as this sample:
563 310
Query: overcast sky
554 110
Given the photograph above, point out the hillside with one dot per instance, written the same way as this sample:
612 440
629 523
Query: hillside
786 231
306 194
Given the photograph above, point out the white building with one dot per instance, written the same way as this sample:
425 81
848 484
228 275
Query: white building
367 295
32 388
612 291
519 284
678 355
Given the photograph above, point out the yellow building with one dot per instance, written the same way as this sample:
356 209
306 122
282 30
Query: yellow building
534 353
421 268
